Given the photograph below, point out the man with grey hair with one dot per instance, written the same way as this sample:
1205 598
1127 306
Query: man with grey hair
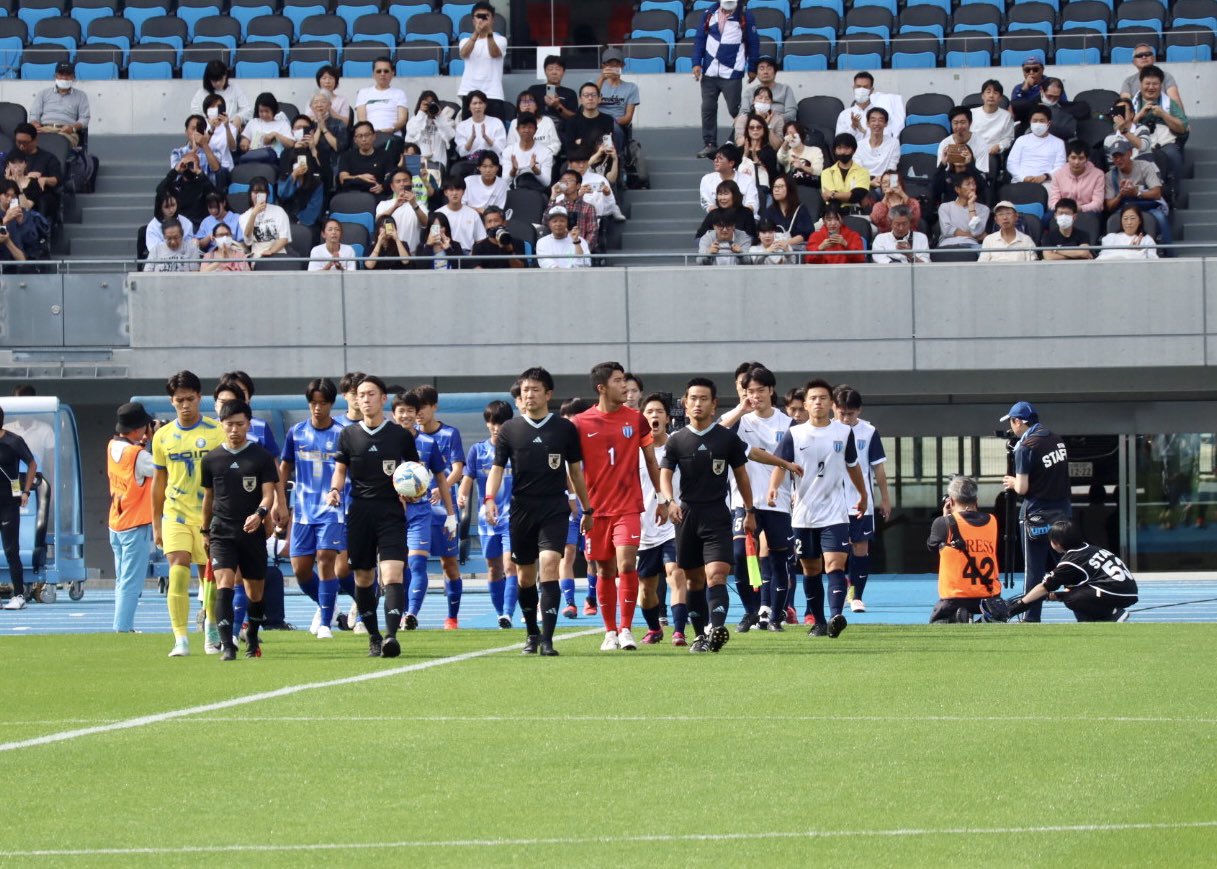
965 539
899 243
1142 56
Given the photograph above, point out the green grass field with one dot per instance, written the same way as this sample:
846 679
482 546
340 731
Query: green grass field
976 745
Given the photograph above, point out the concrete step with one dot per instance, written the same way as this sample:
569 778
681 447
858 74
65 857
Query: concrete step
115 214
91 248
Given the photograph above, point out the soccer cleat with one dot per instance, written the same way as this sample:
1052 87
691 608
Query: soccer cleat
809 619
181 648
776 627
718 637
857 606
570 612
700 645
316 623
589 607
548 650
818 630
341 621
324 633
229 653
253 650
410 622
505 622
792 618
1121 615
390 648
531 643
610 642
747 623
212 648
706 152
374 645
16 602
835 625
678 639
651 638
360 627
451 624
625 640
213 634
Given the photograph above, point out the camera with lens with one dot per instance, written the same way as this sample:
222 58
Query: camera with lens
1009 437
503 237
432 108
1116 113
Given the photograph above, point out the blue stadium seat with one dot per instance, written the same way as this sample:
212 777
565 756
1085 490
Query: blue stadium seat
645 65
869 19
379 28
770 23
861 51
327 29
197 55
258 61
297 11
270 29
245 11
1055 4
837 6
352 11
64 32
155 61
305 61
1140 13
417 67
655 24
1034 16
889 5
977 18
456 67
33 11
85 12
1086 15
682 60
944 5
968 51
1079 46
86 71
358 58
1201 13
916 54
139 11
807 53
219 29
115 31
194 11
677 8
404 10
1016 56
455 12
923 19
1189 44
816 21
929 108
999 5
647 55
1077 56
921 139
11 50
782 6
429 27
361 218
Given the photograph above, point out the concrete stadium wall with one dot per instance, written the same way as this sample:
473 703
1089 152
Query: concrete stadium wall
669 100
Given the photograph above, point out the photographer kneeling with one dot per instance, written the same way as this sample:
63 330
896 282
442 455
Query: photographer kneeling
965 539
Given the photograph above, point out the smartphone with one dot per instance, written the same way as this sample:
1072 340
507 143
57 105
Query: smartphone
213 112
302 161
414 164
259 198
551 90
606 141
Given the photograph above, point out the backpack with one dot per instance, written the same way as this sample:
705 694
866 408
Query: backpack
81 170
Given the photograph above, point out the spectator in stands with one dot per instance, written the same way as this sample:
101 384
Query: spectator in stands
564 247
774 120
391 251
332 255
267 133
959 162
440 251
760 160
724 245
165 208
17 171
990 121
782 100
834 242
1026 94
1145 55
384 106
329 136
544 131
216 80
22 232
198 147
591 126
527 161
483 52
597 188
771 247
568 193
1079 180
727 197
222 138
1165 118
175 253
1037 153
189 186
43 166
425 181
339 109
902 244
962 222
962 133
62 109
556 101
1124 128
1067 241
618 99
787 213
217 215
1007 244
464 225
852 118
726 161
878 152
893 103
265 226
845 182
802 154
301 185
725 47
365 166
227 255
489 188
479 132
1136 182
498 243
892 194
1138 243
404 208
1064 115
431 129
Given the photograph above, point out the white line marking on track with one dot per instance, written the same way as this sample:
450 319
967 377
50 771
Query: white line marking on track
611 840
287 691
964 719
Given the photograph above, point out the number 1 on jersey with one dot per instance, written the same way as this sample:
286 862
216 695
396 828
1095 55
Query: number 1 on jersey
612 455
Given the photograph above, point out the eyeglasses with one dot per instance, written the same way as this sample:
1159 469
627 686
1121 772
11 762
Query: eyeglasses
384 70
1143 54
1033 69
482 17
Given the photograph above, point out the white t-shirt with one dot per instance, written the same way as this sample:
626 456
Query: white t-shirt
545 161
979 146
478 195
483 72
546 135
495 138
765 433
653 533
381 105
466 225
319 257
268 227
747 188
556 253
598 199
219 144
257 129
821 498
406 220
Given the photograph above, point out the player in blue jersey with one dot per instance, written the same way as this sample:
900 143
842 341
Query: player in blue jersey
419 537
259 429
574 539
453 451
496 538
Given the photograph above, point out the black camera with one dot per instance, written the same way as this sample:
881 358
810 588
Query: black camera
503 237
433 108
3 231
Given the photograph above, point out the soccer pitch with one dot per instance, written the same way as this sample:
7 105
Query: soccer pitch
891 745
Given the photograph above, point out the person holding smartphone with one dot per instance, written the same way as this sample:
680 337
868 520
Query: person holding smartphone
389 252
483 52
265 226
891 193
833 241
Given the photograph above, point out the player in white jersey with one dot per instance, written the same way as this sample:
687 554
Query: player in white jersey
847 405
826 451
657 546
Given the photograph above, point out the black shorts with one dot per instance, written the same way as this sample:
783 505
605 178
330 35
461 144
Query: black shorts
704 535
234 549
538 525
774 524
1092 604
376 529
654 561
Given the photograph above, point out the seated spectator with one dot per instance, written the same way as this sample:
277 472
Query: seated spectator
16 170
10 251
26 233
1007 244
1068 241
329 136
782 98
564 247
878 152
440 251
1079 180
189 186
390 252
1165 118
568 192
724 245
463 224
332 255
479 132
845 182
726 162
727 197
498 244
62 109
1026 94
404 208
483 51
216 80
787 213
198 146
590 125
339 109
301 185
1126 129
760 160
544 132
1145 55
265 226
217 215
175 252
962 134
382 105
852 118
556 101
1064 114
425 181
771 247
618 99
487 187
1136 182
959 162
1137 243
597 188
43 166
891 189
802 154
222 137
772 120
834 242
990 121
227 254
902 244
1037 153
365 166
527 161
892 103
165 209
431 129
267 134
962 222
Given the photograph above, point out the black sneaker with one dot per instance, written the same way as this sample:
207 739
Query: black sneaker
504 623
410 622
390 648
706 152
1121 615
818 630
531 644
548 650
835 625
747 623
700 645
718 638
253 650
374 645
341 620
228 653
776 627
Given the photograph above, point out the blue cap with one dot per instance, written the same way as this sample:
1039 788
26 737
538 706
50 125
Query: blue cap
1022 410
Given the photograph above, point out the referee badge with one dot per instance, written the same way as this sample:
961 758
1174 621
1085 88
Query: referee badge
718 466
249 483
388 466
555 461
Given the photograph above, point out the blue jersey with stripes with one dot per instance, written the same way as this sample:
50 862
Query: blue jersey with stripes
432 458
311 452
478 463
448 439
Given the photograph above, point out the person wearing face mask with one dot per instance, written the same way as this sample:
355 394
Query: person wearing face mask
892 103
1065 115
762 106
1037 153
1068 241
228 255
62 109
782 98
300 187
845 182
725 48
852 119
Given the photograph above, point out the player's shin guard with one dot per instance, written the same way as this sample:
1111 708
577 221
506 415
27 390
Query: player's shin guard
680 617
395 597
627 598
859 572
606 599
568 591
814 587
224 616
495 587
453 589
177 599
528 607
720 603
240 604
327 599
778 585
311 586
257 615
551 597
837 587
651 616
365 600
418 582
511 594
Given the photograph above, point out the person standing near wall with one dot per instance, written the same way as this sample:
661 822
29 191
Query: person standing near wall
130 470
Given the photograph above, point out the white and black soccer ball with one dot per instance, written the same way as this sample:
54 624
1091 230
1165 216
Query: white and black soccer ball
411 480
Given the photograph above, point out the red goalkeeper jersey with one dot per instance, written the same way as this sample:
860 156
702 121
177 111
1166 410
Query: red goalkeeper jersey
611 443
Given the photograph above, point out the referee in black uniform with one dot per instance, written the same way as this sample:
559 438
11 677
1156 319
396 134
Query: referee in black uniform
369 452
542 448
14 494
239 480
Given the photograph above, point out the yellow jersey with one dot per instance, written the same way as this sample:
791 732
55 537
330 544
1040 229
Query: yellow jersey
180 451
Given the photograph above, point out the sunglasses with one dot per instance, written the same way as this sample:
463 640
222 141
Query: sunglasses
1143 54
482 17
1033 69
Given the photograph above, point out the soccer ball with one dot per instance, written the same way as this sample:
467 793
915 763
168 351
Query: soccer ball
411 480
